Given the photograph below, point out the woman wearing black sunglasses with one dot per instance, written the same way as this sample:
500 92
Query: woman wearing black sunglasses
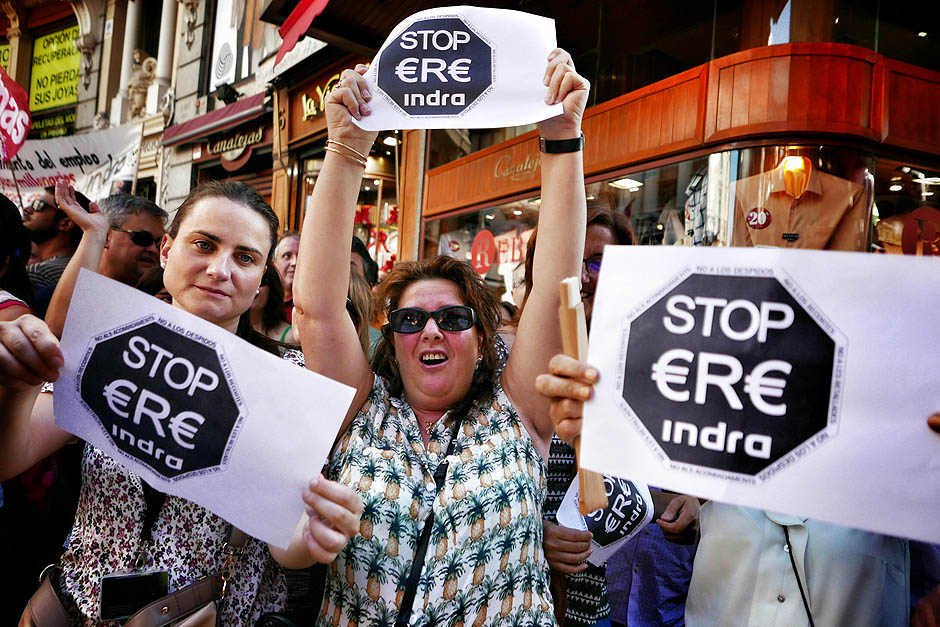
445 444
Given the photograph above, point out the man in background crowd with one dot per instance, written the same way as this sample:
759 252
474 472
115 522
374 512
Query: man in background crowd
56 238
133 245
285 260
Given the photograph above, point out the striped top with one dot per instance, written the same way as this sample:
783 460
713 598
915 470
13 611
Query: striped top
47 272
587 590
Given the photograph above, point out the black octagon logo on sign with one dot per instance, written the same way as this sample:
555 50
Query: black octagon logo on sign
163 398
732 373
436 67
626 510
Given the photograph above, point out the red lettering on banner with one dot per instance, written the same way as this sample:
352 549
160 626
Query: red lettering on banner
483 252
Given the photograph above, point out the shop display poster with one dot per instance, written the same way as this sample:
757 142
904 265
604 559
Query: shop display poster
462 67
629 509
793 381
194 410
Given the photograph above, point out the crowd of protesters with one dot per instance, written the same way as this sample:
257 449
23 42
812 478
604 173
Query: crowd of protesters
437 505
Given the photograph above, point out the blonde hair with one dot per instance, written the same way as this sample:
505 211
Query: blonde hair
361 296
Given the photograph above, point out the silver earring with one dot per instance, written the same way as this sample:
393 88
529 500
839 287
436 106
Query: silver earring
257 291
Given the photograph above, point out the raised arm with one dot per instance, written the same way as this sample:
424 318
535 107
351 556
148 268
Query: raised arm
560 248
327 335
29 355
95 228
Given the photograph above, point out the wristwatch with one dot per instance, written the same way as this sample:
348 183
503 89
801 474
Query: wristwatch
556 146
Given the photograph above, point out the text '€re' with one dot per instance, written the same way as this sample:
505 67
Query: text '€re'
128 400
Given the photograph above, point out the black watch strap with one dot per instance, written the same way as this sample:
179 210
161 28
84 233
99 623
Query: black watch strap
556 146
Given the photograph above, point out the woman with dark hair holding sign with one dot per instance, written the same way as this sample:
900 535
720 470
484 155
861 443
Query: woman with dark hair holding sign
214 255
445 445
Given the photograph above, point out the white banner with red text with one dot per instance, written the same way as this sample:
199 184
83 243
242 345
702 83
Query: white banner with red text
96 164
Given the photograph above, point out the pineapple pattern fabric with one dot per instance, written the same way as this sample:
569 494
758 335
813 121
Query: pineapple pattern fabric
484 564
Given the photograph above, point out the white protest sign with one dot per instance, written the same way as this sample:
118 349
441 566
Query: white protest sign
793 381
193 409
629 509
91 162
462 67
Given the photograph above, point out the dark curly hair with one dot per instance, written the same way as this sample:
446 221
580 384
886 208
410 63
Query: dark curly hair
473 292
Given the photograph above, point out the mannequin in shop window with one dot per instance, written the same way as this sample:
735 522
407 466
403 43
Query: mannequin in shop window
795 205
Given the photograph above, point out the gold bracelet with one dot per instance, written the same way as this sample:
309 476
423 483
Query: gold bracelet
349 148
350 157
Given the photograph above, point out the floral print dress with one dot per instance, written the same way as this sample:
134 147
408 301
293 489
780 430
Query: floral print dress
485 564
186 541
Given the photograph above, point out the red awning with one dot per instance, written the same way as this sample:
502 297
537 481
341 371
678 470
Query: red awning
215 121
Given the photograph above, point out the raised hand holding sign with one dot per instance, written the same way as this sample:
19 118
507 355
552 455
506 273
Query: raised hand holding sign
461 67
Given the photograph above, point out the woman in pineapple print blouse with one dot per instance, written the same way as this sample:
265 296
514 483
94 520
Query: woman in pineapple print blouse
436 377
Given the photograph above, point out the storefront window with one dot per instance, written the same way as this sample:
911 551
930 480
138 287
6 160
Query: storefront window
499 252
376 220
772 196
622 46
906 215
895 30
451 144
793 196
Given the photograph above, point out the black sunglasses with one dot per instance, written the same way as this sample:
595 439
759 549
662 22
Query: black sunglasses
39 205
592 265
141 238
412 320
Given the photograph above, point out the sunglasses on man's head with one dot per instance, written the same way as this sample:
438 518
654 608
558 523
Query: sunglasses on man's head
413 320
141 238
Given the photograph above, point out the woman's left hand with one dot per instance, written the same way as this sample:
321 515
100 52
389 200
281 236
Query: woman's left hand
88 221
334 511
569 88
